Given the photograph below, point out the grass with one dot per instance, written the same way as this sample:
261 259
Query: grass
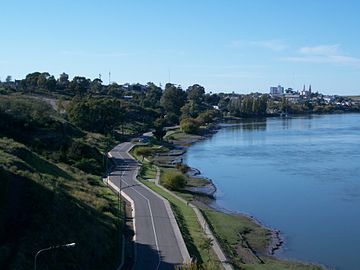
185 216
275 264
258 237
181 137
197 181
189 226
44 204
147 171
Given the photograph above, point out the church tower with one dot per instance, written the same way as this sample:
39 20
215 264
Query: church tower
310 89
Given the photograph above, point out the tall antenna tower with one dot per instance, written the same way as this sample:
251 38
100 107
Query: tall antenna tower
109 77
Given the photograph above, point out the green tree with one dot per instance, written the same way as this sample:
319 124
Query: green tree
114 90
172 99
173 180
208 116
79 85
63 81
97 115
195 93
190 126
96 86
50 84
159 131
151 98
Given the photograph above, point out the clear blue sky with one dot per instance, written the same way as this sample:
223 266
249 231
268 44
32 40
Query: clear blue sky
224 45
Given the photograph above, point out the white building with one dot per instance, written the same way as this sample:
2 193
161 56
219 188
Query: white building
306 93
277 90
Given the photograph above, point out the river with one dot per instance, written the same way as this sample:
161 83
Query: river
300 175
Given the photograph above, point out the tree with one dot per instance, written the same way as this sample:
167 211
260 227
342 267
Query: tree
195 93
263 104
195 97
96 86
152 96
63 81
190 126
212 99
172 99
31 81
51 83
159 132
208 116
42 80
79 85
115 90
96 115
8 79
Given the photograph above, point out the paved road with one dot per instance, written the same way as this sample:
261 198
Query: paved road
156 238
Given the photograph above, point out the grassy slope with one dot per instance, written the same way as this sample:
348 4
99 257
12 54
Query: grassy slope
44 204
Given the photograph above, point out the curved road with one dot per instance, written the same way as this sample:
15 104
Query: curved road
158 242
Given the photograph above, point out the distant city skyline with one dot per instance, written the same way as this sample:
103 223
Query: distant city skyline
240 46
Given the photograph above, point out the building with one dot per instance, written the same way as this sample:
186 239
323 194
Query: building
277 90
306 93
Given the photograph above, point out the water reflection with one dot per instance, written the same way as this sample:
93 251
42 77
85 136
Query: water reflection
256 124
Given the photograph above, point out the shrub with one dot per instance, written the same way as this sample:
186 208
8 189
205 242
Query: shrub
143 151
190 126
208 116
89 165
173 180
182 167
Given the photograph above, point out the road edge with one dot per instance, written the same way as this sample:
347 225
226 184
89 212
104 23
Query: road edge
179 238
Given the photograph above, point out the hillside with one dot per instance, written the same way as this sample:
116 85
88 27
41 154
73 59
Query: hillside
52 193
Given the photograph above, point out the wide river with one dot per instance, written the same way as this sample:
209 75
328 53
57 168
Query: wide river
300 175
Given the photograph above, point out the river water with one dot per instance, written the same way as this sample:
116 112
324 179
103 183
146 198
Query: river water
300 175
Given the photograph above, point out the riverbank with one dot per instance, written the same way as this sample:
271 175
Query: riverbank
204 189
247 242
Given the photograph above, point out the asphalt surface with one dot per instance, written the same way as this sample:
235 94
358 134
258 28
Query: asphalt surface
155 239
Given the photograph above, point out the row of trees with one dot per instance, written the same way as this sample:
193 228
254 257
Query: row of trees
101 108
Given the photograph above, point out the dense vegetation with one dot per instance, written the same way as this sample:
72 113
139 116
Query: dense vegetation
96 107
52 192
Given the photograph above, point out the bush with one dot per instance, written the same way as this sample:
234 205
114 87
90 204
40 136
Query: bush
182 167
208 116
143 151
89 165
173 180
190 126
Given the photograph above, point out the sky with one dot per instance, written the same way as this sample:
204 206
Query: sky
225 45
